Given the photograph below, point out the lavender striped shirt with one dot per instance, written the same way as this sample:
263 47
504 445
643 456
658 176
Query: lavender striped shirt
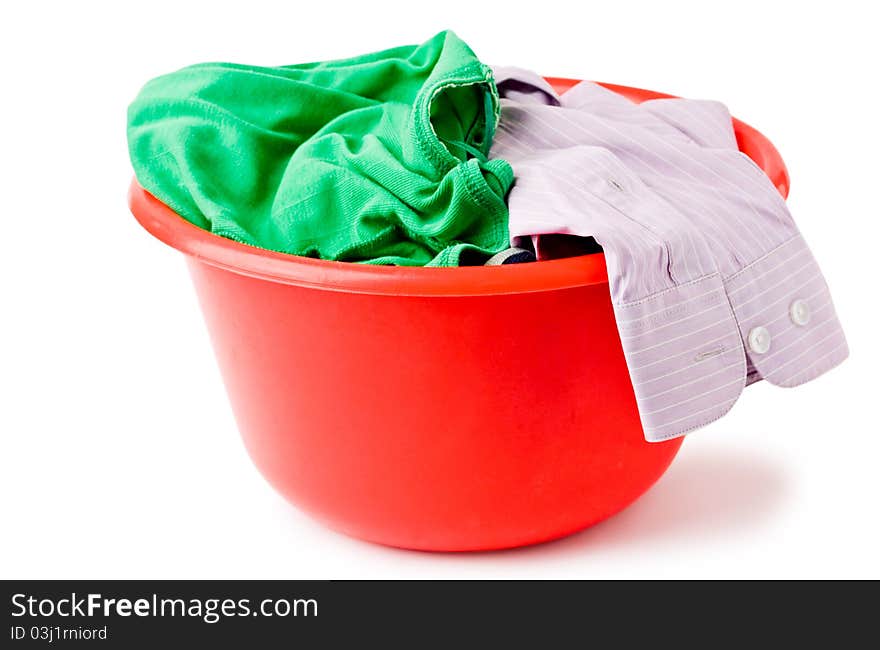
713 286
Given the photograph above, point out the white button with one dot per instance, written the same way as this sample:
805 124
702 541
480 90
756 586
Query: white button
759 340
799 312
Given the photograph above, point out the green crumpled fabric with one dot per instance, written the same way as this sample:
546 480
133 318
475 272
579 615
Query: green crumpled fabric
380 158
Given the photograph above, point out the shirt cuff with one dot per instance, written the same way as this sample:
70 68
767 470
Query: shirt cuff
691 349
786 316
685 356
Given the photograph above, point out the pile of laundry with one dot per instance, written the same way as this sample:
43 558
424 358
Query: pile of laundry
425 156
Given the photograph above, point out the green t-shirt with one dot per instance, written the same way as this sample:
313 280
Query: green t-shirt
380 158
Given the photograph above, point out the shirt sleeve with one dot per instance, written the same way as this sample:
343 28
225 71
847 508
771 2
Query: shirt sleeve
712 284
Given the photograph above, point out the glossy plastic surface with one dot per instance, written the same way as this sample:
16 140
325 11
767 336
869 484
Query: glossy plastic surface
434 409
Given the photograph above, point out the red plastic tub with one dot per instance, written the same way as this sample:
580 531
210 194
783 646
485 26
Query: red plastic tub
444 409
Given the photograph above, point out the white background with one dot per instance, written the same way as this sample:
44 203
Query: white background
119 455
